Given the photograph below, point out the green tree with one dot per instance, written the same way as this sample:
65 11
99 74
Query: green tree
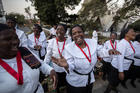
54 11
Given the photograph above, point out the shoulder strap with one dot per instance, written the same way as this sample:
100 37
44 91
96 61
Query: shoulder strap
29 58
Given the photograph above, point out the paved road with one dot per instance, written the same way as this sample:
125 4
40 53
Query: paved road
100 86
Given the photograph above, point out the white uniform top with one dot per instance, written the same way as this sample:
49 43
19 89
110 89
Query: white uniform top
126 51
8 84
53 31
95 35
52 50
22 37
137 53
107 45
77 61
41 41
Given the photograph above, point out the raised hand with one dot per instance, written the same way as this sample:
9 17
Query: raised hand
60 61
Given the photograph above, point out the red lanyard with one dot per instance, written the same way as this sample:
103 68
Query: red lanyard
18 76
112 45
88 58
131 46
37 39
60 53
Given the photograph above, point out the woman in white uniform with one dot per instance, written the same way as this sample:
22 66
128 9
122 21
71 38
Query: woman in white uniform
11 22
56 48
110 44
135 71
37 42
79 60
19 68
121 64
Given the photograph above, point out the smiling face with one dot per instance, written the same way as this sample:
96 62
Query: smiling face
9 44
36 30
113 37
78 35
130 34
60 31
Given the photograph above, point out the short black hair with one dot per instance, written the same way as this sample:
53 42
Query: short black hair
77 25
113 33
65 27
38 27
12 19
3 27
137 38
124 32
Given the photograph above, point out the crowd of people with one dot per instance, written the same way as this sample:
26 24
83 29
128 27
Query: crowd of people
69 61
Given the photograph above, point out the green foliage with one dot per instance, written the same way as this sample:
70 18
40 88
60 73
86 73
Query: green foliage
98 8
19 18
130 8
54 11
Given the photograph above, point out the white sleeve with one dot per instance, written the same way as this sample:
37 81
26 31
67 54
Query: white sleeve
106 45
30 44
23 40
95 35
102 52
122 49
44 44
49 53
44 68
70 60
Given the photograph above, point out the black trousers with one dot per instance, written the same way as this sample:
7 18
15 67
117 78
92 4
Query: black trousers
72 89
106 68
61 80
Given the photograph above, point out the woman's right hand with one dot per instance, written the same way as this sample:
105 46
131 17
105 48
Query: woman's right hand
121 75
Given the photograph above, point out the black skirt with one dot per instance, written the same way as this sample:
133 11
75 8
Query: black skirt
113 77
61 79
134 72
106 67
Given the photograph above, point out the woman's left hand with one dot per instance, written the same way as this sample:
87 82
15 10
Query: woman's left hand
114 52
60 61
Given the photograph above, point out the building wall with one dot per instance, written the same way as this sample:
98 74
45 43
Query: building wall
2 18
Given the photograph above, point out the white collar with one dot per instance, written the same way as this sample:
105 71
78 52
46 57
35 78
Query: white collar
76 52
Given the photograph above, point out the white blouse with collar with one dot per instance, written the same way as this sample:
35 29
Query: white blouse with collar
41 41
77 61
137 54
8 84
52 50
126 51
